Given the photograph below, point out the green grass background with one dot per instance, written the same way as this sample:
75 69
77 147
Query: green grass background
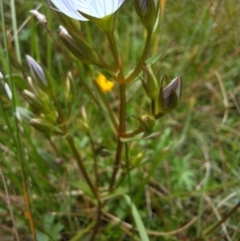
192 168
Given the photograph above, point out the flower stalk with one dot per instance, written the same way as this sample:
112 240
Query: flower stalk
81 166
134 74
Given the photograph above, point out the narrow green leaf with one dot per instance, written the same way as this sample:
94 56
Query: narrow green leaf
137 219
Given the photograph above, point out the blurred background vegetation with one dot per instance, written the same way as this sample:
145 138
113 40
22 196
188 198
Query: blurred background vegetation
192 166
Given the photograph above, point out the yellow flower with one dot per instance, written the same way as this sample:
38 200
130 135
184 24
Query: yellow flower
104 83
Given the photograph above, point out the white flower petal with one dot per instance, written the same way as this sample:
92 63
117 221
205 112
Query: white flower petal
71 7
102 8
94 8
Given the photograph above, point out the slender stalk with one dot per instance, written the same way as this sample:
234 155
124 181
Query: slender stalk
113 47
80 165
14 24
122 107
98 221
106 103
94 159
132 133
17 140
121 131
145 52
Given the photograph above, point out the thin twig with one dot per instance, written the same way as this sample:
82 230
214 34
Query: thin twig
229 214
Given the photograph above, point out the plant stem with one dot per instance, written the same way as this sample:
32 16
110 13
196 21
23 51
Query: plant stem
98 221
132 133
106 103
145 52
17 138
114 50
16 35
122 107
80 165
121 131
94 159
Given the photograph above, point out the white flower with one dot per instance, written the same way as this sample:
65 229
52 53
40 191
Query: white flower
94 8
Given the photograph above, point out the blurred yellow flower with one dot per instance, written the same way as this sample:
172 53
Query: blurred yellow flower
104 83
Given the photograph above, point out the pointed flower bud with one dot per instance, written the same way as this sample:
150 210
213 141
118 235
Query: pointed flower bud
37 72
78 47
146 123
42 125
8 90
69 89
170 96
150 83
147 11
50 115
40 17
33 100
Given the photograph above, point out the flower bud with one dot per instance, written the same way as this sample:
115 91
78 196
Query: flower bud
147 11
37 72
8 90
78 47
50 115
170 96
146 123
69 88
150 83
33 100
40 17
42 125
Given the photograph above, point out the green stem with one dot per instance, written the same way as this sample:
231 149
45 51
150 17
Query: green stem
113 47
106 103
122 107
80 165
98 221
145 52
121 131
94 159
132 133
17 139
15 32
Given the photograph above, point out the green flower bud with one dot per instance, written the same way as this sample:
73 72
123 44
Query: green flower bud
170 96
146 123
150 83
69 89
33 100
50 115
78 47
42 125
147 11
